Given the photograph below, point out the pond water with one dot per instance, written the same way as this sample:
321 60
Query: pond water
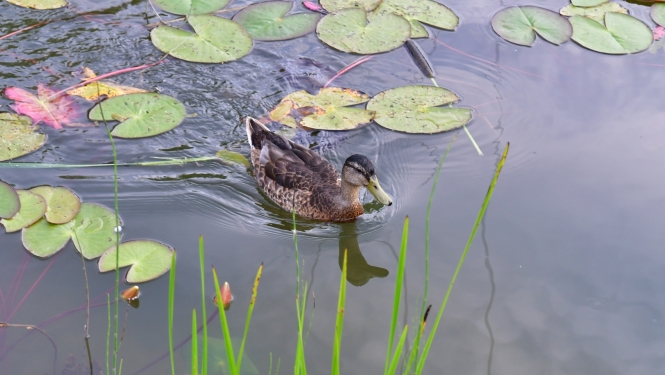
565 275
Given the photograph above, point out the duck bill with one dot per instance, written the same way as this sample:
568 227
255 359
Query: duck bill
378 192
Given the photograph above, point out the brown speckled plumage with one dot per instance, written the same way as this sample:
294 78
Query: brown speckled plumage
293 175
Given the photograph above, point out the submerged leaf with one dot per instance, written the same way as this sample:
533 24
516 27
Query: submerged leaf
9 201
622 34
32 209
326 110
92 91
347 30
519 25
268 21
335 5
232 157
416 109
148 260
39 4
62 205
53 111
18 136
215 40
596 13
425 11
140 115
191 7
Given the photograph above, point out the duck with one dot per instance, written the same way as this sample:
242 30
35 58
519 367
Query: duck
297 178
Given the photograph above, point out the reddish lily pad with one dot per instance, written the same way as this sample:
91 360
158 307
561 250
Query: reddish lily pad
54 111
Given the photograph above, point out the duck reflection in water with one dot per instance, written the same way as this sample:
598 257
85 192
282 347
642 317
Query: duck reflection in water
358 272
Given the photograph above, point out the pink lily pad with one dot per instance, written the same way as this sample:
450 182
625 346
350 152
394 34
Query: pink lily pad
53 111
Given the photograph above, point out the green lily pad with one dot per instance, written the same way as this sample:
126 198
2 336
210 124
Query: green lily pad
191 7
622 34
425 11
415 109
658 13
92 231
62 205
268 21
596 13
519 25
326 110
148 260
232 157
215 40
347 30
335 5
32 209
418 30
587 3
39 4
18 136
141 115
9 201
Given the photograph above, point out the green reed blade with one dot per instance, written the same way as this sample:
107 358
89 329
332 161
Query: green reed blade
479 218
233 370
204 364
398 351
398 292
299 365
171 305
279 361
108 331
137 164
195 349
339 323
473 141
250 310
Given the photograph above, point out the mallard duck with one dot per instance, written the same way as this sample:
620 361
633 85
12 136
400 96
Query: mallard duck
296 177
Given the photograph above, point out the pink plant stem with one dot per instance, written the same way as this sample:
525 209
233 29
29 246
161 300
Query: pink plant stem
117 72
487 61
27 294
24 29
18 277
349 67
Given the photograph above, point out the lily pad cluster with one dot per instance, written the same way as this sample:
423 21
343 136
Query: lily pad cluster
410 109
599 25
49 217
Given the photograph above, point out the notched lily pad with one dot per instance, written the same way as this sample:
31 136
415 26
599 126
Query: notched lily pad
191 7
416 109
519 25
327 110
596 13
44 239
268 21
32 209
215 40
39 4
148 260
335 5
621 34
425 11
658 13
9 201
62 205
347 30
141 115
18 136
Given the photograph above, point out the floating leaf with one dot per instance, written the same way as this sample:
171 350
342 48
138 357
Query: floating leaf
39 4
94 90
32 209
141 115
148 260
92 231
9 201
62 205
215 40
658 13
53 111
191 7
268 21
326 110
425 11
18 136
587 3
415 109
519 25
347 30
623 34
335 5
596 13
232 157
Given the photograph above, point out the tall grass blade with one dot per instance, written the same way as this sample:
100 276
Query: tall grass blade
479 218
473 141
398 351
398 292
195 344
204 364
299 365
233 370
108 331
339 323
171 304
248 319
137 164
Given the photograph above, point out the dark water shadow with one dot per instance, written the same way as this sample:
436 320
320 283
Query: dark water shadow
359 272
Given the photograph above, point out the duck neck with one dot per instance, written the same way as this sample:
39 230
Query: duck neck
348 195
